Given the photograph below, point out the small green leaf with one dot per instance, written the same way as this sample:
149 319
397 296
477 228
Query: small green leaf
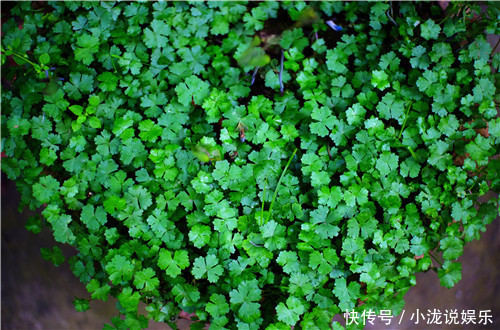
387 163
254 57
173 265
108 81
81 119
93 218
324 121
347 295
129 300
291 312
380 79
207 266
217 306
193 90
94 122
75 126
34 224
44 58
450 273
452 247
430 30
76 109
244 300
98 291
81 305
146 280
94 100
120 269
55 255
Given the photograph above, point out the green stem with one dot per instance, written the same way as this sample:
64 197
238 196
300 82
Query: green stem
470 188
328 149
114 67
410 149
22 58
414 155
435 258
123 58
263 201
406 118
132 59
278 185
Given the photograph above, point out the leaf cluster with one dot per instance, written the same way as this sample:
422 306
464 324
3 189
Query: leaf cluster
194 170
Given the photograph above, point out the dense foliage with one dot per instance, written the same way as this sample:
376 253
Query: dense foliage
255 163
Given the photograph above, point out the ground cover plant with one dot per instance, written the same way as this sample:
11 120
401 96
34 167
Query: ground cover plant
259 164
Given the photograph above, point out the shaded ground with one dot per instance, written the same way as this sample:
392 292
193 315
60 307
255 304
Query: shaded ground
35 293
478 290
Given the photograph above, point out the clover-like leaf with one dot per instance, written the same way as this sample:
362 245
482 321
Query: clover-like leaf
207 266
193 90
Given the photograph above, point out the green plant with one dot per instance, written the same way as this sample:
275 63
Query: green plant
279 195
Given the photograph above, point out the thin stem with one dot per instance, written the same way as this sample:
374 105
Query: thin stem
123 58
404 122
133 59
254 75
256 245
278 185
412 152
410 149
263 201
22 58
435 258
114 67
